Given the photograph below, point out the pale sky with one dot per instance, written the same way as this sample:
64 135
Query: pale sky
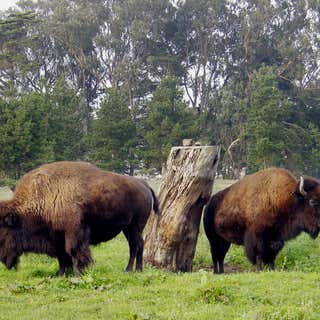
5 4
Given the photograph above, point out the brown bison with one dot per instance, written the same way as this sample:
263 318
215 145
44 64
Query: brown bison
261 212
62 207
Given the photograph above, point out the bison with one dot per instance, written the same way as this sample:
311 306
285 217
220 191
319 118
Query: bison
261 212
61 208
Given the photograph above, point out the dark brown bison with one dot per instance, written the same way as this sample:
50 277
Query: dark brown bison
261 212
62 207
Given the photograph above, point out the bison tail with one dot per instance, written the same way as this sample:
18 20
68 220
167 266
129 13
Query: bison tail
155 205
206 221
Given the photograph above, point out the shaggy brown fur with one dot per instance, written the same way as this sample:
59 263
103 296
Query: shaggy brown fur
62 207
261 212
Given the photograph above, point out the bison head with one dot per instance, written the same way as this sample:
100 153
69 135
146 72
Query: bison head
9 230
309 190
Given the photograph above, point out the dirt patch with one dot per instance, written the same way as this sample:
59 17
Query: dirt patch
227 269
233 269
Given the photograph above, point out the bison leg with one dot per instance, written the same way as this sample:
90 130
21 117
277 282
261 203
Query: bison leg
254 248
251 244
77 246
139 256
65 262
64 259
271 265
135 248
219 248
272 248
62 269
221 252
261 250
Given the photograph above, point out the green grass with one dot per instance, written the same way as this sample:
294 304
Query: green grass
107 292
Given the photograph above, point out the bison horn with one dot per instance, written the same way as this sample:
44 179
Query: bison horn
301 187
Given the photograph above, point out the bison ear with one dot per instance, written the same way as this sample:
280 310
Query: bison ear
11 220
310 184
305 185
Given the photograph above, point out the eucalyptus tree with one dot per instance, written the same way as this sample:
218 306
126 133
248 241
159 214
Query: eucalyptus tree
133 46
15 44
279 35
207 42
67 30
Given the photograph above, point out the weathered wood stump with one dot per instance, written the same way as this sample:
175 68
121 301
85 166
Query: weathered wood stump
171 237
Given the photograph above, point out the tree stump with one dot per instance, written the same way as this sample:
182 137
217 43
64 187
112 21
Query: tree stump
186 187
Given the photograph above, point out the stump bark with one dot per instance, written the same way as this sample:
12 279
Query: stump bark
171 237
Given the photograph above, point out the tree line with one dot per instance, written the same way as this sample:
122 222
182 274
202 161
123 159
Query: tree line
119 82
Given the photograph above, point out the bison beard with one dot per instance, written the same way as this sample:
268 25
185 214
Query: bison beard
61 208
261 212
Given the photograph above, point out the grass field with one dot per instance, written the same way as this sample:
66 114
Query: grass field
107 292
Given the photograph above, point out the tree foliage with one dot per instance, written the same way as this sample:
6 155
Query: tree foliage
167 122
15 42
136 76
37 128
113 138
267 135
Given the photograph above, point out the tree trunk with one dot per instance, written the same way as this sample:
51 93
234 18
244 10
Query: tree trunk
186 187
